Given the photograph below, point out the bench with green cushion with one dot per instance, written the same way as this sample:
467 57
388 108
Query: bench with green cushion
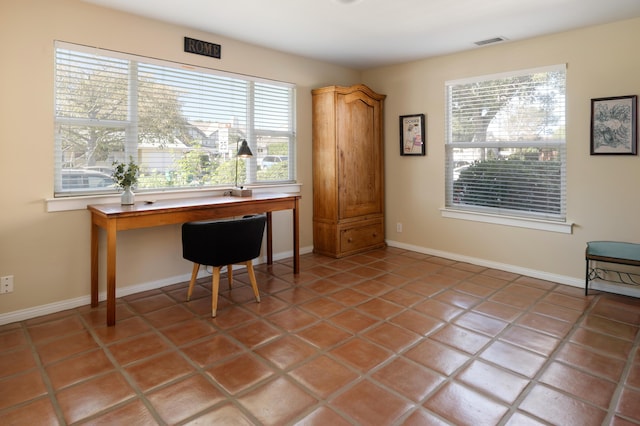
611 252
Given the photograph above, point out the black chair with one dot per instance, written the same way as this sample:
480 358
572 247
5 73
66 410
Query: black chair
223 243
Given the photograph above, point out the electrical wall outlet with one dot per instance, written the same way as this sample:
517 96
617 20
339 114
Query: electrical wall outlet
6 284
399 227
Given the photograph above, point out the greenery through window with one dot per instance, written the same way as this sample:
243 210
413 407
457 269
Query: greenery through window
181 124
505 144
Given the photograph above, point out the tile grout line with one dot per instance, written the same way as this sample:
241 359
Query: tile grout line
452 378
138 394
353 336
369 374
620 386
549 359
51 394
201 370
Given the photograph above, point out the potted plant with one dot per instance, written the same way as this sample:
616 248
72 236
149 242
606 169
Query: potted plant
126 176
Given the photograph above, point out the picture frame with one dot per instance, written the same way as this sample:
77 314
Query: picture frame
412 134
613 125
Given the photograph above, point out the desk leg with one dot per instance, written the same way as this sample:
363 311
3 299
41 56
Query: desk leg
111 273
296 239
95 231
269 239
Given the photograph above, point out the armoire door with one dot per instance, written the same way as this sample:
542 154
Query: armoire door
359 155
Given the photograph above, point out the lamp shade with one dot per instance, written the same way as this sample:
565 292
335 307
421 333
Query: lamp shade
244 151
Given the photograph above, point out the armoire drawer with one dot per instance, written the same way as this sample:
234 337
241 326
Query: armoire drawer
357 237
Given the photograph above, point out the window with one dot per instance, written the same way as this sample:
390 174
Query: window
181 124
505 144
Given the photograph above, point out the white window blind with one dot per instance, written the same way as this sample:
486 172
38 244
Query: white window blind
505 144
181 124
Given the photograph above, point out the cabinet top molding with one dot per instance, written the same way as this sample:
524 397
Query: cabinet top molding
350 89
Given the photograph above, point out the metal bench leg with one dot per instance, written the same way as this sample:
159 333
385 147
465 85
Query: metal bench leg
586 279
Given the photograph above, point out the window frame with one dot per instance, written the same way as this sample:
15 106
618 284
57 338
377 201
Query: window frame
522 218
130 125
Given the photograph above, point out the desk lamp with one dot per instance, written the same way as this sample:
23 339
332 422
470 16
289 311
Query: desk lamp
243 152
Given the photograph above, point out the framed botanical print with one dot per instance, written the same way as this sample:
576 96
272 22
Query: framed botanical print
613 126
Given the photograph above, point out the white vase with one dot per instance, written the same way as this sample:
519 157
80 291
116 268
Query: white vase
128 197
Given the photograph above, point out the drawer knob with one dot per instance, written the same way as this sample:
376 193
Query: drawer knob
350 240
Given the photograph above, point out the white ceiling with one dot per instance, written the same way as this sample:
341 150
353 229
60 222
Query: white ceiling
369 33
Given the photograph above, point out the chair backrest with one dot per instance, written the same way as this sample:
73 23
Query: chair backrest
223 242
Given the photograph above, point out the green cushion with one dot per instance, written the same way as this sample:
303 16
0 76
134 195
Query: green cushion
614 249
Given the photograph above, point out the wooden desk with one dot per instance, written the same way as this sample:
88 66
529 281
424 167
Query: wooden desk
115 217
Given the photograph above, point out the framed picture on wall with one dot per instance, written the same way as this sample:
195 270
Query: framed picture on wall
412 135
613 126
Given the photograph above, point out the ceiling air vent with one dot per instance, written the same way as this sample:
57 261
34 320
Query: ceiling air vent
490 41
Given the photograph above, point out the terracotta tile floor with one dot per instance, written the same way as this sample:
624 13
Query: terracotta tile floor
388 337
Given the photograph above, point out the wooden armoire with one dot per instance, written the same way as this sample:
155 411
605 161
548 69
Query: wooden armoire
348 170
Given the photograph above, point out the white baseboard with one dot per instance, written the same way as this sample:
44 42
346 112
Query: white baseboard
561 279
51 308
63 305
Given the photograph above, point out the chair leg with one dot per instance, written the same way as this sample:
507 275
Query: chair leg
194 274
215 287
252 278
230 275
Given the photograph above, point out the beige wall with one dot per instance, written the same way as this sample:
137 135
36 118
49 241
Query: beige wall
603 197
48 253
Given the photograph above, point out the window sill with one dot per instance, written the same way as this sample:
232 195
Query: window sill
81 203
539 224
